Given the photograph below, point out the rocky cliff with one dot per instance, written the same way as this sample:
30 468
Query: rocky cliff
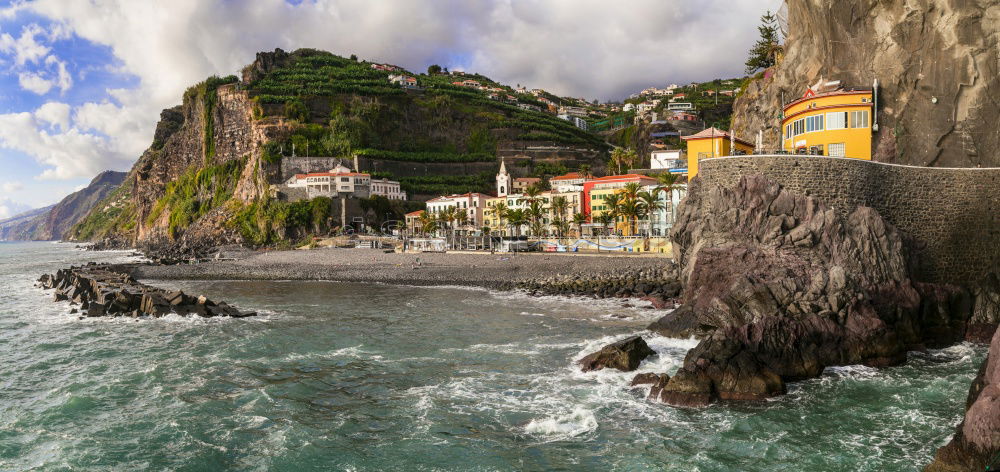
976 444
207 177
780 286
936 63
54 222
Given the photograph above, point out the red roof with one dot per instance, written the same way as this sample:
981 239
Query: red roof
415 213
569 176
332 174
713 132
623 177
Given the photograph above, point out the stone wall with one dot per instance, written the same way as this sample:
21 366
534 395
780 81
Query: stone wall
952 214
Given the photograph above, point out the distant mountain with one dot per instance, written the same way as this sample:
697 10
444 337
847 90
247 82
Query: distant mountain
54 221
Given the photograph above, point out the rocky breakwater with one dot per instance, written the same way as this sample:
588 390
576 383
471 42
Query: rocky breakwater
659 286
110 290
778 286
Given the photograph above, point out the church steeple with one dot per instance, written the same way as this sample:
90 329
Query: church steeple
503 180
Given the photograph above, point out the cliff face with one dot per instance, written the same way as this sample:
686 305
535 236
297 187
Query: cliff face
781 286
55 222
937 66
976 443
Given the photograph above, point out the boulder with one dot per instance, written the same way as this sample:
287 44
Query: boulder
785 286
624 355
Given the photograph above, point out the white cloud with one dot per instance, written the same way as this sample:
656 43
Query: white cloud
9 208
71 153
25 47
11 187
55 114
33 82
588 48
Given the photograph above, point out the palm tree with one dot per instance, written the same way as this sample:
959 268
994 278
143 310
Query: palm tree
666 184
650 203
516 218
630 158
618 158
613 203
630 210
535 212
448 216
585 171
605 219
427 222
579 219
559 206
500 210
532 192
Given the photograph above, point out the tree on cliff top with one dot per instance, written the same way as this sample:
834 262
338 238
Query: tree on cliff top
764 52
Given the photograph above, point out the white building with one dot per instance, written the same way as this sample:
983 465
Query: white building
662 220
387 188
472 204
571 182
680 106
403 80
577 121
628 107
573 111
503 181
664 159
340 180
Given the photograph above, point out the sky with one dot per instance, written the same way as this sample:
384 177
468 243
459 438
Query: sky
82 82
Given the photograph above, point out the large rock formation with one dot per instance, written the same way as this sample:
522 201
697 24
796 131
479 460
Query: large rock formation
936 63
780 286
54 222
976 444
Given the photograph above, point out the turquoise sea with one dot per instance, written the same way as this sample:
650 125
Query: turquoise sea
360 377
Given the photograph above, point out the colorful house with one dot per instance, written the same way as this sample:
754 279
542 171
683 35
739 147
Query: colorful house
595 190
712 142
835 123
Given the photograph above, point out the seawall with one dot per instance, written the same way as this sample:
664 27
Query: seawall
952 214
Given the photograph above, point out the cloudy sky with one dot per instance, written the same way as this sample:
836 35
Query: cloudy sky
82 82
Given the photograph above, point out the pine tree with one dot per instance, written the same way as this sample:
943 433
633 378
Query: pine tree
763 54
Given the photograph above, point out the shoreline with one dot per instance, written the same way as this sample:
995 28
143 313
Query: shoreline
500 271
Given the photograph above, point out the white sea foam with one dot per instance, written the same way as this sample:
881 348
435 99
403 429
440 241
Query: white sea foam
572 424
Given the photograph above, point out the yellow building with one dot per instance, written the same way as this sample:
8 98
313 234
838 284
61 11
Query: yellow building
490 217
709 143
837 123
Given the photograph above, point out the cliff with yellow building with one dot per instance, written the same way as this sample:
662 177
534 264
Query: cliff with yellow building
937 68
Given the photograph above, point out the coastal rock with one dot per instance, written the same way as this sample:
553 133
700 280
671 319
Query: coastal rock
976 443
624 355
779 286
655 381
109 290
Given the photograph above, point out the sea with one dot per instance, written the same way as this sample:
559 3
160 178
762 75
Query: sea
363 377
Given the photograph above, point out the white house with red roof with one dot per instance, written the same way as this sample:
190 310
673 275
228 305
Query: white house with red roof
341 180
472 204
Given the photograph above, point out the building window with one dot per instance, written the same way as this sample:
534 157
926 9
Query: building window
798 127
836 120
859 119
814 123
836 150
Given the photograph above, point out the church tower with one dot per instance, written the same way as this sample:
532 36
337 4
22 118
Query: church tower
503 180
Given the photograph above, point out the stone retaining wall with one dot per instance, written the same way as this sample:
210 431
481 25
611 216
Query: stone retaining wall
953 214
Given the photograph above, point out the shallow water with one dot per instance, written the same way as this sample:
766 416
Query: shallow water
373 377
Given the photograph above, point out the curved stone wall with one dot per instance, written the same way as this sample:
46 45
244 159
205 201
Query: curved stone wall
953 214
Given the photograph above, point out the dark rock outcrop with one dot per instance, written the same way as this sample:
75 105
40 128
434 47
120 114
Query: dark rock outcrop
780 286
110 290
936 65
976 444
624 355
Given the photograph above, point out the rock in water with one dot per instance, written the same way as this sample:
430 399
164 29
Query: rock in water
779 286
976 443
624 355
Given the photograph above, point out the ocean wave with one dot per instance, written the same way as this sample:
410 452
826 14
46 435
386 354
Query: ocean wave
579 421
